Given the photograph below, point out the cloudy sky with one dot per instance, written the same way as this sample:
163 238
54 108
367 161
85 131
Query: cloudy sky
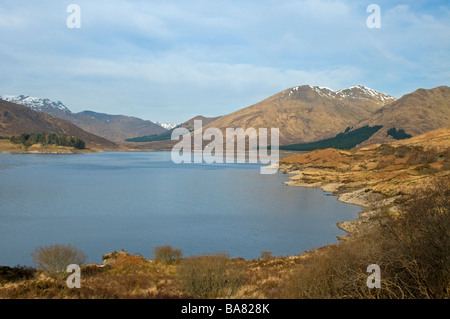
171 60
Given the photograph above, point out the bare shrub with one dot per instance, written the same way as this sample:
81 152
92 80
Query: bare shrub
265 255
335 272
167 254
54 259
211 276
411 248
417 242
421 156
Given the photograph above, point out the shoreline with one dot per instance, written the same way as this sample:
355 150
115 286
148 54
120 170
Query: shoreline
6 147
352 197
69 152
378 178
348 175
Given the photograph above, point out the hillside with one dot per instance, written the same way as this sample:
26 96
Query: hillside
307 113
416 113
17 119
116 128
345 140
163 142
308 117
377 176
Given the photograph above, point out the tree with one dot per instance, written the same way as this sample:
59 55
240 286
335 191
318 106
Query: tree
54 259
167 254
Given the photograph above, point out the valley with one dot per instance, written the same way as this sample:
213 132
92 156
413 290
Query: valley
388 156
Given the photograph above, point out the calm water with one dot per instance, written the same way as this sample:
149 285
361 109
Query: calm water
136 201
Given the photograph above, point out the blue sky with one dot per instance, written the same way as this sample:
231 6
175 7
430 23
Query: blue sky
171 60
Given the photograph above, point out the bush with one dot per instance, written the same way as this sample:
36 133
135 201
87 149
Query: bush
265 255
417 242
211 276
17 273
167 254
54 259
411 248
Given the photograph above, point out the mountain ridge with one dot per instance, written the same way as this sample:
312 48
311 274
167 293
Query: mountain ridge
303 114
418 112
16 119
116 128
307 113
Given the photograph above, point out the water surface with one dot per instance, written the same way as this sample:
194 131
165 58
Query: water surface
135 201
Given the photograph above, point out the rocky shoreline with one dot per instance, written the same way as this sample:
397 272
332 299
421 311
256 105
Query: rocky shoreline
367 200
378 178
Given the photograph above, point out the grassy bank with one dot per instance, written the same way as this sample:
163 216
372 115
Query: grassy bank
7 147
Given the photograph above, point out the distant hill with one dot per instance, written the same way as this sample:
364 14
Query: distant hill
17 119
116 128
168 134
307 117
303 114
167 126
41 105
415 113
308 113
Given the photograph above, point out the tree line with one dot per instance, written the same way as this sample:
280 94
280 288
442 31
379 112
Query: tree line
345 140
49 139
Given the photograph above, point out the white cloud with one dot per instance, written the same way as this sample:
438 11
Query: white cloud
192 56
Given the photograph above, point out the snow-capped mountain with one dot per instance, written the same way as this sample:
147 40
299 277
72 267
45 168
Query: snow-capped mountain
36 104
308 113
115 128
167 126
352 93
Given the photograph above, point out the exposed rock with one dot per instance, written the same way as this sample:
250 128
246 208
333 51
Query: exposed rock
111 258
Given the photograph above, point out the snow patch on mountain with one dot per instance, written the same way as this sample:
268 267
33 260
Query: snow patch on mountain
35 103
167 126
355 91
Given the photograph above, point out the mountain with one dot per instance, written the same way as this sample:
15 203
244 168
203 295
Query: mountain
189 124
167 136
308 113
16 119
116 128
36 104
415 113
167 126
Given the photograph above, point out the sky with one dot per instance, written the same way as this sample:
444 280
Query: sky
169 61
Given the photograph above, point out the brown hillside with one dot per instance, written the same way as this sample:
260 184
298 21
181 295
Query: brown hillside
416 113
167 145
374 175
306 114
116 128
17 119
